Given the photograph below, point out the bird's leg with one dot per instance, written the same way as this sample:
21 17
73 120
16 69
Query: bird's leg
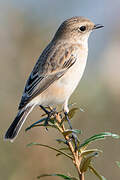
74 136
52 110
44 109
68 120
66 110
49 113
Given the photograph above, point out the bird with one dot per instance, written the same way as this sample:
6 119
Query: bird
57 71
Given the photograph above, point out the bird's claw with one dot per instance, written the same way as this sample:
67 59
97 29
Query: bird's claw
68 120
50 113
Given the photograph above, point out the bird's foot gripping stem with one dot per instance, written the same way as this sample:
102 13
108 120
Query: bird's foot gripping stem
44 121
68 120
50 113
74 136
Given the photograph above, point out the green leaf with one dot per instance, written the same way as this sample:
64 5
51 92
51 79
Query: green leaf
59 175
59 154
98 137
72 113
118 163
52 120
61 141
34 124
50 147
94 171
70 105
69 131
87 152
64 149
43 125
86 161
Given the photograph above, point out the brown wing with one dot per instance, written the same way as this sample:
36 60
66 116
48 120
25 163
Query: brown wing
51 65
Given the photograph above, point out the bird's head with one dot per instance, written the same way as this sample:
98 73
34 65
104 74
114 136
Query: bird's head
76 29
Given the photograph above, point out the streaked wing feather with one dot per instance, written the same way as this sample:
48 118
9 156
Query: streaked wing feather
45 73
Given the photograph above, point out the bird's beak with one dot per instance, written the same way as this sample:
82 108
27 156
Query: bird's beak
97 26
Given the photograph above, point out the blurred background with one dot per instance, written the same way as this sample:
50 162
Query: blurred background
26 27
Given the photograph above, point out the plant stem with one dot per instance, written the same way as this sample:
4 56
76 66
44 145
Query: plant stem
76 158
81 176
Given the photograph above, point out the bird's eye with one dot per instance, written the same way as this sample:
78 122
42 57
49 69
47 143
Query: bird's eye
82 28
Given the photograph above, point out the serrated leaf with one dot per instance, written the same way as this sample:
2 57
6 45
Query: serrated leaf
69 131
87 152
50 147
59 175
94 171
98 137
118 163
86 162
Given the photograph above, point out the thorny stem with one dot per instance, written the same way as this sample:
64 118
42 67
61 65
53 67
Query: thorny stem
76 157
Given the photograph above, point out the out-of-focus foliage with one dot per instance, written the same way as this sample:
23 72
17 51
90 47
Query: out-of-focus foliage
25 29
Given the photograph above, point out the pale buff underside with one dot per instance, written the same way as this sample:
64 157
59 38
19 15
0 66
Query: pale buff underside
60 91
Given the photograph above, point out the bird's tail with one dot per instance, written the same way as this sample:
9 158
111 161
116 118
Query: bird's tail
16 125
